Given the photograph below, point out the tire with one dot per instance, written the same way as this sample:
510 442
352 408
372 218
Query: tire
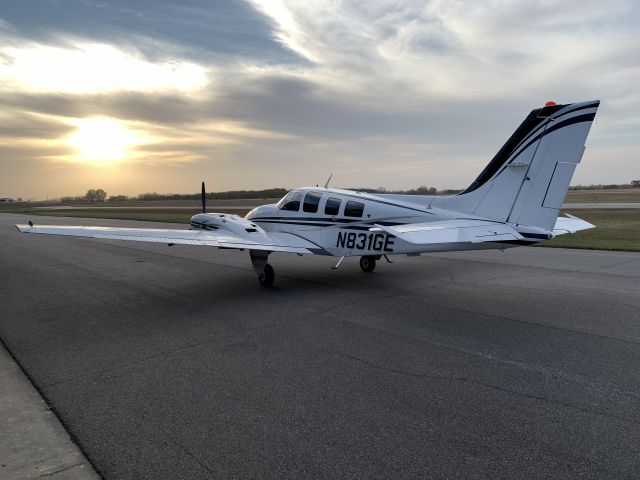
267 277
368 264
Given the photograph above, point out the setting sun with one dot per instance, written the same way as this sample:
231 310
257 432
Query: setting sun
101 140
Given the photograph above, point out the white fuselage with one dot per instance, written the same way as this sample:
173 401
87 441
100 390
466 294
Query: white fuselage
340 222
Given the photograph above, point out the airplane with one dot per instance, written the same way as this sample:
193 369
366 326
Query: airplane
514 201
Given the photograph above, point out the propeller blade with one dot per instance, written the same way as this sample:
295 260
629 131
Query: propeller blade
203 197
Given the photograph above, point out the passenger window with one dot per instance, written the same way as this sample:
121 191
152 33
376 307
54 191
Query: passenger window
332 207
353 209
292 202
311 202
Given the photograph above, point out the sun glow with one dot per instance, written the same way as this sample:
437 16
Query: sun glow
102 140
87 67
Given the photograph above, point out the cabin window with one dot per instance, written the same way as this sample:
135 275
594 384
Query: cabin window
311 202
291 202
332 207
353 209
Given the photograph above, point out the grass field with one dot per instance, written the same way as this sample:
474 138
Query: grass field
159 211
618 195
616 229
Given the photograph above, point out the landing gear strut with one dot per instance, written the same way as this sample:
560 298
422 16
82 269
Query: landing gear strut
368 263
265 272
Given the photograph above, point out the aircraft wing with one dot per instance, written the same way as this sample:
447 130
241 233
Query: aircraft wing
570 224
256 240
453 231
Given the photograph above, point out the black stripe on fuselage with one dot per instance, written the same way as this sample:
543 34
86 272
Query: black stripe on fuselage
515 242
291 221
357 227
535 235
327 220
310 219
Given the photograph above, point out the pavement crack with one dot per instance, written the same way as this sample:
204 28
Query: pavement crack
60 470
486 385
198 461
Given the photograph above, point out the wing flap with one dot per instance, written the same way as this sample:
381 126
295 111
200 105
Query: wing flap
453 231
263 241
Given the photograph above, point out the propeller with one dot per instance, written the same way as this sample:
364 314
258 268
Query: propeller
203 198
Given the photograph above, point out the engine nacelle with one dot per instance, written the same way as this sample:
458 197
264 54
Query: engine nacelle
224 221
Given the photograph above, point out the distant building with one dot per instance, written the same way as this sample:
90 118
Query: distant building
7 200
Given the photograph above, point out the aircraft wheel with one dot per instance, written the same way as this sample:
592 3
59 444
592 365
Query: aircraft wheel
368 264
267 277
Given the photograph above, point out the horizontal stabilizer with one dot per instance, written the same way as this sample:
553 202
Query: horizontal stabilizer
453 231
570 224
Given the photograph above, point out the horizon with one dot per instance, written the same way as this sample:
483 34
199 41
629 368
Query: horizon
380 189
113 96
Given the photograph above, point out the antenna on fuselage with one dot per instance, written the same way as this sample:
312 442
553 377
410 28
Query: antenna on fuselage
326 185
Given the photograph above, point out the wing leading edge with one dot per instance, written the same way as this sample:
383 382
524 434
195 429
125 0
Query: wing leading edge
260 240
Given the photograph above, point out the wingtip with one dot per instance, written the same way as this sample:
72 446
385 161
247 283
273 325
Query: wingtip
586 224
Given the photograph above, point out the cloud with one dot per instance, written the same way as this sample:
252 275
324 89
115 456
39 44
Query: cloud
453 49
19 125
391 94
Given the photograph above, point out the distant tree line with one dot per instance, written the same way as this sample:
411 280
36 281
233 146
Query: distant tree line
100 196
606 186
230 195
92 196
271 193
421 190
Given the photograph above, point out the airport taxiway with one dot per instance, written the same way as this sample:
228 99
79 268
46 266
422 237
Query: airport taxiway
172 362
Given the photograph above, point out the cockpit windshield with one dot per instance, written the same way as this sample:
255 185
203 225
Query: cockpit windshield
291 201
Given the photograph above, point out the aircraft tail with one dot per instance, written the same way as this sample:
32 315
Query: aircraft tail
527 180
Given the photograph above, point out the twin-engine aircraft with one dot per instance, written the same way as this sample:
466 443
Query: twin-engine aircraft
514 201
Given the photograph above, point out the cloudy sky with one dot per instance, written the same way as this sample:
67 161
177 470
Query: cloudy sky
149 95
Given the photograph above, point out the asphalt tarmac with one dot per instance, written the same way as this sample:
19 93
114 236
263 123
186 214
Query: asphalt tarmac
173 363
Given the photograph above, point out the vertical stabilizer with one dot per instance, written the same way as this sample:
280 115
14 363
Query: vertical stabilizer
527 180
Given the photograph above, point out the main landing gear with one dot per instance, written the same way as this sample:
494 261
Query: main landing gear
368 263
265 272
267 277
